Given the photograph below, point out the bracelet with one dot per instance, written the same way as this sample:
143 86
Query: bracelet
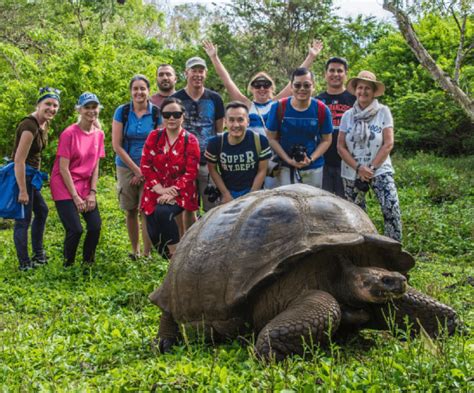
357 168
94 191
373 168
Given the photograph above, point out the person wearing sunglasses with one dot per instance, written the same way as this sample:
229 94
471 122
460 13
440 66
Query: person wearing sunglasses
300 132
131 125
31 139
261 86
170 165
364 143
74 180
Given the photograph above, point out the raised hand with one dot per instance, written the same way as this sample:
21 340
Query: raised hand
210 49
315 48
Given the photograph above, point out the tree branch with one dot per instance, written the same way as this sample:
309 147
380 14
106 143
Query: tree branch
425 59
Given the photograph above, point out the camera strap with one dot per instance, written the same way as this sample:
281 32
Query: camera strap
295 174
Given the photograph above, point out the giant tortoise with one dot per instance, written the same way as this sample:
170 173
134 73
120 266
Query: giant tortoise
290 265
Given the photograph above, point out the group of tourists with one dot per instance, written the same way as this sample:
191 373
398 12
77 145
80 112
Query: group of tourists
172 156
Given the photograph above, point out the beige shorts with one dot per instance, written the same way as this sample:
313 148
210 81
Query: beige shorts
129 196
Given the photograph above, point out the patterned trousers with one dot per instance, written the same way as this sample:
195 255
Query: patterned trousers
386 193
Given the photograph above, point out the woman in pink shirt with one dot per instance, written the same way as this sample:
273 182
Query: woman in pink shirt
74 179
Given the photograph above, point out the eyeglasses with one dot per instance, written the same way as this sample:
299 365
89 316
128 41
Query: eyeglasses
264 84
48 89
298 86
176 115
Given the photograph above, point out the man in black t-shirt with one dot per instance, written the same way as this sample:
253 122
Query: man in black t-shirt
204 115
240 154
339 100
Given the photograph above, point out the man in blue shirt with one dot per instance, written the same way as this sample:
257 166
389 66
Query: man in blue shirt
295 132
240 154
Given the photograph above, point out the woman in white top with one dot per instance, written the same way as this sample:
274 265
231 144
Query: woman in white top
261 86
364 143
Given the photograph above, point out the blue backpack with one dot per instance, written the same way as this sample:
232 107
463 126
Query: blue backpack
9 205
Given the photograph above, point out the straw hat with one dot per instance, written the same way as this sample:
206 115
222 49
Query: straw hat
369 77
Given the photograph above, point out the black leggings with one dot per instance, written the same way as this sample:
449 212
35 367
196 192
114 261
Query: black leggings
69 216
162 227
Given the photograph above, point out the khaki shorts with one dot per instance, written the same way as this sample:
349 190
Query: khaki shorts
129 196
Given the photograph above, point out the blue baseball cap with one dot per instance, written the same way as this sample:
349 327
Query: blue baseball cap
87 98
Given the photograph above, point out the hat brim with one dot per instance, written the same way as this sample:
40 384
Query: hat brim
90 102
351 86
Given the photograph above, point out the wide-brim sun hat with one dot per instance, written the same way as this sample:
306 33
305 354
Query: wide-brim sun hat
368 77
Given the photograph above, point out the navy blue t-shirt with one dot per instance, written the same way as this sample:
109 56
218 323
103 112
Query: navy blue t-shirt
300 128
238 163
337 104
201 115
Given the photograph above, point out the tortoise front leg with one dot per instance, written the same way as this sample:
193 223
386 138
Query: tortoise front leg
306 320
168 332
415 308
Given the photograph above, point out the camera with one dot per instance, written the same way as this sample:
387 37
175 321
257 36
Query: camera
298 152
212 192
362 185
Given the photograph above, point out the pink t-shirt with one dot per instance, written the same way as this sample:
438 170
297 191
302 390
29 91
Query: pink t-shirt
83 150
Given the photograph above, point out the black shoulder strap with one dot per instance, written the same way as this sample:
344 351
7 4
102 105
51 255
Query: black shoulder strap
125 114
155 115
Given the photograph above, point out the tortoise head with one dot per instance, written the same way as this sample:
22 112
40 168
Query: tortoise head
374 285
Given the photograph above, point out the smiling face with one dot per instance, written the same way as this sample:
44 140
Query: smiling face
173 116
196 77
335 76
262 91
365 93
166 78
237 121
139 91
47 109
302 87
89 112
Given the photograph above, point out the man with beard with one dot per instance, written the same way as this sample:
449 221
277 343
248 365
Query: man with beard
204 117
339 100
166 81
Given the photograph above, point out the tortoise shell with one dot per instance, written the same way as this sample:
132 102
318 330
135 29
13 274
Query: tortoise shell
236 248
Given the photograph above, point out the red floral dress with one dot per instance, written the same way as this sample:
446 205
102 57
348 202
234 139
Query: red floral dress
167 165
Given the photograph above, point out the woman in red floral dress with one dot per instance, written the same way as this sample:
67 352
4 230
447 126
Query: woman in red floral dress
169 163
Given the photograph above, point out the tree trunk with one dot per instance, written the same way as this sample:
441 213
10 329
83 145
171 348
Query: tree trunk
427 61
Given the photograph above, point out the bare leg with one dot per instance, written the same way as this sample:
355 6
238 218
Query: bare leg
189 218
147 246
133 229
306 320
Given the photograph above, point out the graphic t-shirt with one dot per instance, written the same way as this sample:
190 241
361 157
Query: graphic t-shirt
337 104
201 116
238 163
256 113
134 133
300 128
40 139
83 150
364 153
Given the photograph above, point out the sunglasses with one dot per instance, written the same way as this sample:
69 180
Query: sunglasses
264 84
298 85
176 115
48 89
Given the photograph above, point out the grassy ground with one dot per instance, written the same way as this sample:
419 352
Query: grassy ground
61 331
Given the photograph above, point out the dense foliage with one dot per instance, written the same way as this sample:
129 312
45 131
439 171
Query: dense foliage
62 331
98 45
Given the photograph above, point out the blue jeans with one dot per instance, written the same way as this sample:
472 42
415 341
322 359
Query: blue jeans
36 205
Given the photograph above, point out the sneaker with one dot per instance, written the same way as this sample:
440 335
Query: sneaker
25 266
39 260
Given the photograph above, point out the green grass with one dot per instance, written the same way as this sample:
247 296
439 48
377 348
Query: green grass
61 331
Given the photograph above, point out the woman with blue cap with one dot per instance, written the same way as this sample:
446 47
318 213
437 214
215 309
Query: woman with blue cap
74 179
31 139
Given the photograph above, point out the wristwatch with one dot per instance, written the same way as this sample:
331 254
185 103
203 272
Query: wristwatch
372 168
